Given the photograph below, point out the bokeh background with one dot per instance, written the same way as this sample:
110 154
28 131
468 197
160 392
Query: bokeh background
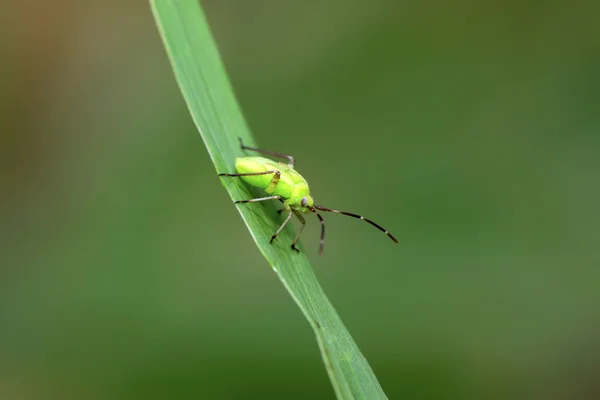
470 130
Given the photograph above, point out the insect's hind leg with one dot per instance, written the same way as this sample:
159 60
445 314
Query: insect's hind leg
291 160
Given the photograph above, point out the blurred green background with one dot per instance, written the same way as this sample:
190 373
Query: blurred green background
469 130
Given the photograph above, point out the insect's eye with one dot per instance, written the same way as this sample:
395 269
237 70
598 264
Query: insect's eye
303 202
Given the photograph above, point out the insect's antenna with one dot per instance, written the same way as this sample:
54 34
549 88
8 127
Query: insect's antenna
359 217
322 241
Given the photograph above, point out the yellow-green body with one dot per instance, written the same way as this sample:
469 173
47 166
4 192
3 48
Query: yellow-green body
290 185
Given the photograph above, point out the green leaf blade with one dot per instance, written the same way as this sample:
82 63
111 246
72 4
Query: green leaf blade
206 89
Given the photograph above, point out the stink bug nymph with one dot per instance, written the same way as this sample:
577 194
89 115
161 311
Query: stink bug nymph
282 182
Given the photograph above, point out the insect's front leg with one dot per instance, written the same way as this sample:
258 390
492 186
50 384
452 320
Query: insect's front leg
303 223
287 219
285 207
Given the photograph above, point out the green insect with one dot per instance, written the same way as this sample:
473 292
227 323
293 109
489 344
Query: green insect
282 182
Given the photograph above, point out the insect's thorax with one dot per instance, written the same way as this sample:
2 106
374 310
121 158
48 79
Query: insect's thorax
292 187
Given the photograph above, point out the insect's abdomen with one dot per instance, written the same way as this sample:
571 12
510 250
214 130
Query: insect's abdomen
245 165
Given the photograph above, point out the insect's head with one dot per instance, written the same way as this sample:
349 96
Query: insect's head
307 201
301 198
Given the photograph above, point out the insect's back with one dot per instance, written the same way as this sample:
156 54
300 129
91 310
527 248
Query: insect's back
288 180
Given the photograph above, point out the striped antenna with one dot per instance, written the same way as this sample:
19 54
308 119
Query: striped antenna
359 217
322 241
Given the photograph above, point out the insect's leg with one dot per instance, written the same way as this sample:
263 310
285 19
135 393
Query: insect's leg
281 227
282 209
272 185
291 160
303 222
252 173
382 229
274 182
258 199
